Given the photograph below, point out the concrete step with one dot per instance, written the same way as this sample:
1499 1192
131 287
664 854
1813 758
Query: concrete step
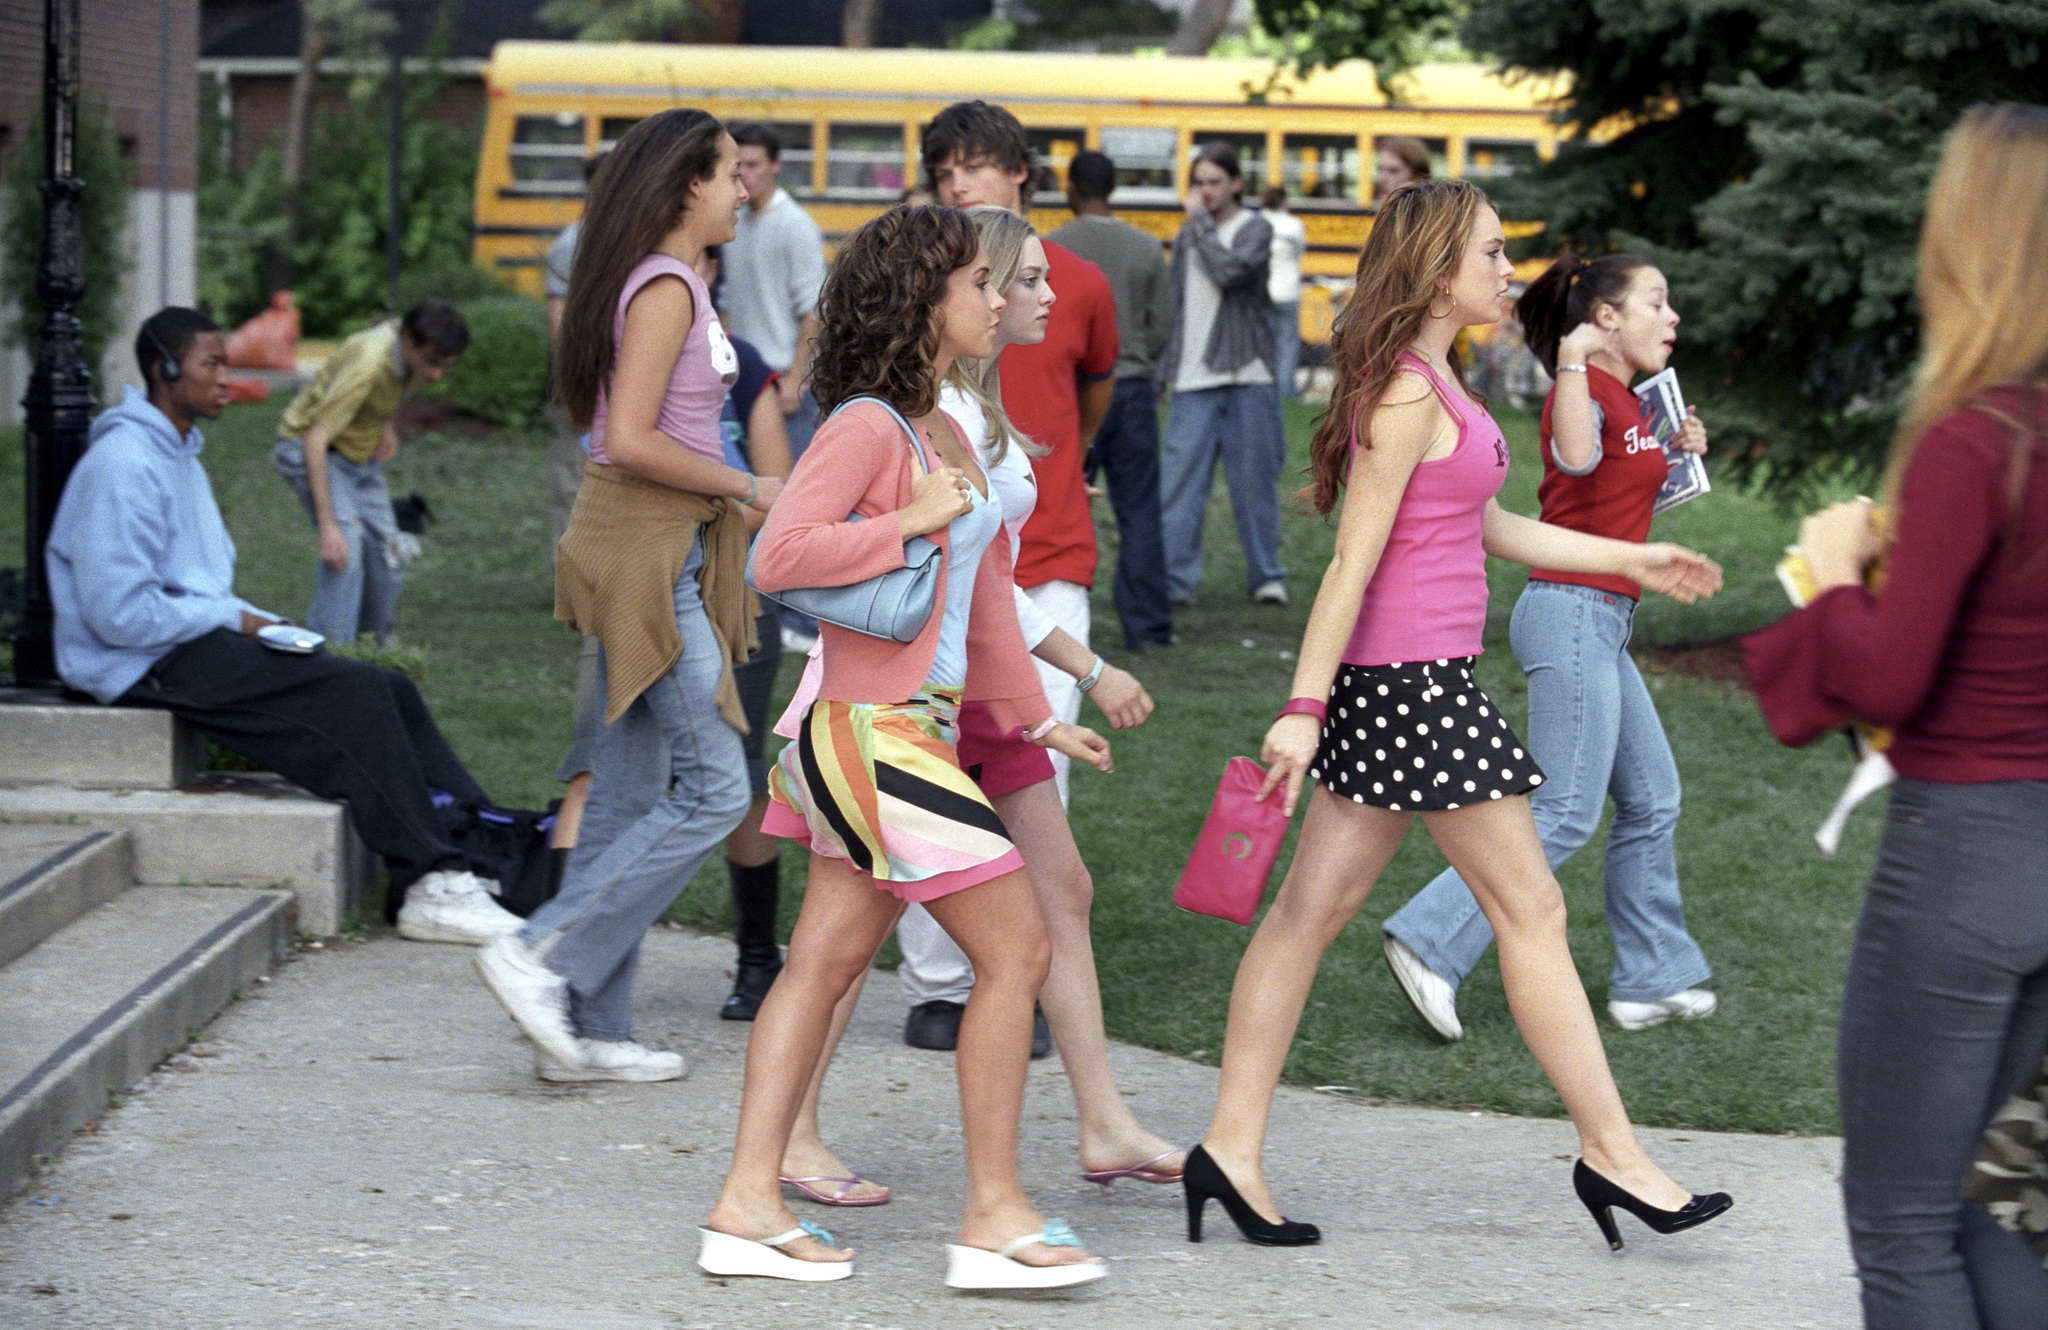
50 875
49 740
245 829
106 998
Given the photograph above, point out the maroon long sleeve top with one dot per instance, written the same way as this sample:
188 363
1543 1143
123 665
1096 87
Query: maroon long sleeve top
1952 655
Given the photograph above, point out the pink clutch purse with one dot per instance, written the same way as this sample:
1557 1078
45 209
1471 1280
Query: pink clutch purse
1226 874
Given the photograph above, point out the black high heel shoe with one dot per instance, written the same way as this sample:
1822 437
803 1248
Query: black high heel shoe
1202 1179
1601 1196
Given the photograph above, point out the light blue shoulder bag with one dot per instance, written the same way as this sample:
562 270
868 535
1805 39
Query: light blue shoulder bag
895 605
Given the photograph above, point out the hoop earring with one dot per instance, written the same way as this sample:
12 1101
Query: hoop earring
1433 312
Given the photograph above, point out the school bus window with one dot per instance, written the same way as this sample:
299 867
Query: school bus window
795 175
1053 149
1144 162
1492 159
1251 156
547 154
1320 166
613 128
864 162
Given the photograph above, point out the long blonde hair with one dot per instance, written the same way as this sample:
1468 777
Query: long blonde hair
1003 234
1416 241
1983 270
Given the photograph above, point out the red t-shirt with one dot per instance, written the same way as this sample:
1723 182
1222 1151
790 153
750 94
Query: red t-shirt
1041 392
1614 499
1953 652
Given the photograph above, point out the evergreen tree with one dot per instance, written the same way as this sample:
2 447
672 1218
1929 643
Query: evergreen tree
1772 156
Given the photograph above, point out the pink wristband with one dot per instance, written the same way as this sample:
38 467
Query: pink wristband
1038 732
1306 706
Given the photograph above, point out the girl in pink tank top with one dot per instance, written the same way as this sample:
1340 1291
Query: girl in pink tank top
1387 718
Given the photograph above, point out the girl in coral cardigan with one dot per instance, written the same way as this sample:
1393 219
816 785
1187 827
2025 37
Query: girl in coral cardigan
873 785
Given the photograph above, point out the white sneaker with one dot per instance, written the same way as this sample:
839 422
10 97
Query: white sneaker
1271 593
1432 995
1687 1005
610 1060
449 906
534 996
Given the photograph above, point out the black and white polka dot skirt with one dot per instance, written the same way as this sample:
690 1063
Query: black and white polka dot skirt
1418 737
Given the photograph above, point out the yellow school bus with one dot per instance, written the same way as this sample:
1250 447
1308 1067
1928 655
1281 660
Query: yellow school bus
850 120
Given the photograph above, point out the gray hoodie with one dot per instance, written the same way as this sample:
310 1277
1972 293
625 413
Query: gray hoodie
139 560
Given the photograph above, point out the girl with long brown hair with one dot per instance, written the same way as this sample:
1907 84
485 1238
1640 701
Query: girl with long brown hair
1387 717
873 784
651 566
1592 723
1945 1007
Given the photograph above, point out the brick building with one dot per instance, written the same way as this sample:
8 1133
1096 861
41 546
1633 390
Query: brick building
136 64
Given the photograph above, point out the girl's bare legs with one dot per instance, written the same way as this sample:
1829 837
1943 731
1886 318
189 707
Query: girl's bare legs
843 920
1350 846
1110 1136
998 925
1496 843
1344 849
807 1155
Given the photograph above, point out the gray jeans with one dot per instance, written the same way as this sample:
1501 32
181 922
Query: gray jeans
668 784
1944 1013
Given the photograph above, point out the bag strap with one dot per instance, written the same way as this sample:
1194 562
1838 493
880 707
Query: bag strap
909 432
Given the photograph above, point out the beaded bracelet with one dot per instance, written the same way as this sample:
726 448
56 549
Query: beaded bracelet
1571 369
1306 706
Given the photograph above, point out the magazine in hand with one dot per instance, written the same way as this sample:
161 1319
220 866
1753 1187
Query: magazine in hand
1664 409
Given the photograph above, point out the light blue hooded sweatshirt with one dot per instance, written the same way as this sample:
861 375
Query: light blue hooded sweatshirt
139 560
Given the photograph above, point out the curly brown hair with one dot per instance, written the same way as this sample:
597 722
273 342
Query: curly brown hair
880 333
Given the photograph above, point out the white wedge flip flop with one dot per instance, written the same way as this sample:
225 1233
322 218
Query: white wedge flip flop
724 1254
972 1267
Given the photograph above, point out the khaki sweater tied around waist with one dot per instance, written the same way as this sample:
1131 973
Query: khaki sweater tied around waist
616 570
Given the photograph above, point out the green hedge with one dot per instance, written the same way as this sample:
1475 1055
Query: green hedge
503 376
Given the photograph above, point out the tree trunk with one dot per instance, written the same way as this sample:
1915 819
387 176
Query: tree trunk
312 45
857 23
1200 25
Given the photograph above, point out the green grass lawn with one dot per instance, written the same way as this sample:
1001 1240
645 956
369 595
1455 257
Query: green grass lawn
1773 918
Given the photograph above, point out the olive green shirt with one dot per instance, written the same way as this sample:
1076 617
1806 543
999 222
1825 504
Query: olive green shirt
354 396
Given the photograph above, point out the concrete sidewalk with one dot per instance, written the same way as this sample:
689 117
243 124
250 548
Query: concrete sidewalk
361 1143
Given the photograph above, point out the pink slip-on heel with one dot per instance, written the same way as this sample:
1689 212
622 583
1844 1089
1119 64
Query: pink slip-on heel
1145 1172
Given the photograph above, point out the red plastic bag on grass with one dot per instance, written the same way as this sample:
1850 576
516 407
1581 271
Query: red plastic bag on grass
268 341
1226 874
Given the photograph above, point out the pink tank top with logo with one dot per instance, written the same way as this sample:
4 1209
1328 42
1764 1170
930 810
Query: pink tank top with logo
1427 597
696 387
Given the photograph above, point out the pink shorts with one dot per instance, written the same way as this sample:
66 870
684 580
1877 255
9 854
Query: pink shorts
999 762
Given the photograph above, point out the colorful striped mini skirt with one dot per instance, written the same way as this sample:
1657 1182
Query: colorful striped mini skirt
880 786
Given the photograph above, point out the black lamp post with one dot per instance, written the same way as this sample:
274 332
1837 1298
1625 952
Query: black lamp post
58 406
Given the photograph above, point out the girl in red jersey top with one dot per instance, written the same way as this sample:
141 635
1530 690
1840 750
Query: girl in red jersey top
1386 716
1592 725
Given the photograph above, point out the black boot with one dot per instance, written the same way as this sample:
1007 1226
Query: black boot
755 892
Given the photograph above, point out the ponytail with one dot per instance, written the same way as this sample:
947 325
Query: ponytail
1566 296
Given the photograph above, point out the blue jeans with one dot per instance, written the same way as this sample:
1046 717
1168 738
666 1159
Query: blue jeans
1595 733
668 784
1286 347
1242 424
362 597
1944 1012
1126 448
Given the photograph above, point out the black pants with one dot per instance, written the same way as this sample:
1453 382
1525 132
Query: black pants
336 727
1126 450
1943 1015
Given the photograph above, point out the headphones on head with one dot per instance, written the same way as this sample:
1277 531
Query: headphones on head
167 367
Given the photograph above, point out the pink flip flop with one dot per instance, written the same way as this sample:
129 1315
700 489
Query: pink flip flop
1106 1179
846 1185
